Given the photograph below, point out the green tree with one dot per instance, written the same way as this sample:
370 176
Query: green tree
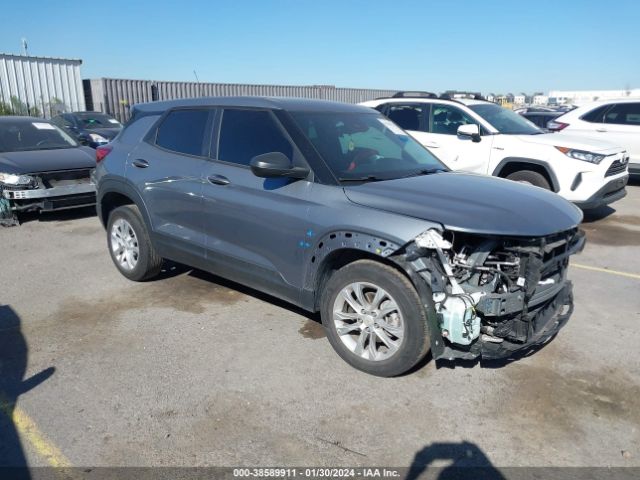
5 109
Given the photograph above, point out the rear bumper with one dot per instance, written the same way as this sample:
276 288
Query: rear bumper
609 193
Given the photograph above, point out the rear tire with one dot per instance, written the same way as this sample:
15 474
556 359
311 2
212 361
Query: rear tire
368 300
530 177
130 246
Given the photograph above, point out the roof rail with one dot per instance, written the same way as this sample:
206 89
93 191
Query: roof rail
414 94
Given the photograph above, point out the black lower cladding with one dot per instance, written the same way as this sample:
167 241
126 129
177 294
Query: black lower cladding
56 203
541 324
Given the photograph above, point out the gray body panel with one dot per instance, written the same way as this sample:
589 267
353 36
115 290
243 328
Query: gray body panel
472 203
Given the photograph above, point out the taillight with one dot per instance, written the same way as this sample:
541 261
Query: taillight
556 126
102 152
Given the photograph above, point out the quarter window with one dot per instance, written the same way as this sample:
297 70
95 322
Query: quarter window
446 119
596 115
184 131
247 133
624 114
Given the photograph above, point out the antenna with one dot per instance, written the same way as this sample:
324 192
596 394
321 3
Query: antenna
198 81
25 47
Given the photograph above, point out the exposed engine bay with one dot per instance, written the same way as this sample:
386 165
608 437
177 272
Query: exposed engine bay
495 295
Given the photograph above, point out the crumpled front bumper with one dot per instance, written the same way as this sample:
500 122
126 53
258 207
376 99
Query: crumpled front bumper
545 323
54 198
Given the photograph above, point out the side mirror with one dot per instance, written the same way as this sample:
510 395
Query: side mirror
470 130
276 164
83 139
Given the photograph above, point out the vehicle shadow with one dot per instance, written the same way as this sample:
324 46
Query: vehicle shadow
13 365
58 216
172 269
467 461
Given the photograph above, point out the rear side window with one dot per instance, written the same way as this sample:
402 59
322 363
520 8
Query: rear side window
596 115
408 117
247 133
623 114
184 131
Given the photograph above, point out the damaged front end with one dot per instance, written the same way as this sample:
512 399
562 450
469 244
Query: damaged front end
494 295
55 190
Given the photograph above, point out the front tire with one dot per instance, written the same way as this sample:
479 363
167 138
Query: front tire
530 177
374 319
129 245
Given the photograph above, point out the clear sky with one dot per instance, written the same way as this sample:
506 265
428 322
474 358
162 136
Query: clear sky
496 46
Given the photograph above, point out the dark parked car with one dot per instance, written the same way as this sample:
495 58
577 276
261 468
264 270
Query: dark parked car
41 168
89 128
334 208
540 119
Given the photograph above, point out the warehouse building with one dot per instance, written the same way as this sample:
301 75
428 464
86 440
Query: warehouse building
115 96
40 86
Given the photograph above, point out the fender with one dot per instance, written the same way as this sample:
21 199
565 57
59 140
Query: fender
555 185
123 187
343 240
349 241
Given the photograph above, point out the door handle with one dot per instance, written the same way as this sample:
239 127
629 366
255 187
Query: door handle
140 163
432 145
218 180
601 129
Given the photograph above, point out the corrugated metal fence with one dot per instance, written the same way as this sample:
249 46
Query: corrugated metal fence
40 86
115 96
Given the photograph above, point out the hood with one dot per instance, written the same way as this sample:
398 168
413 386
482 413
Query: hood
471 203
570 141
47 160
108 133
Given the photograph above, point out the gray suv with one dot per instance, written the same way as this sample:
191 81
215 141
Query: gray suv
334 208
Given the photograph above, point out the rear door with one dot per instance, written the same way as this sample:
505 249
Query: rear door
167 170
458 153
256 228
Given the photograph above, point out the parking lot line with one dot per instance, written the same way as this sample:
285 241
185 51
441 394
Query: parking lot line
606 270
28 429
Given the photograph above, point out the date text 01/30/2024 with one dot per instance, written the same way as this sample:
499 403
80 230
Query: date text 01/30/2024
315 473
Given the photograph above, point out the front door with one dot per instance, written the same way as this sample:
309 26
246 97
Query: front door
457 152
255 227
622 127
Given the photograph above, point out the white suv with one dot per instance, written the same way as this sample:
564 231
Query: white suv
480 136
616 121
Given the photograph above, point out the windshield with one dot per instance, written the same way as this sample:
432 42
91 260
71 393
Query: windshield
97 120
505 121
33 135
366 146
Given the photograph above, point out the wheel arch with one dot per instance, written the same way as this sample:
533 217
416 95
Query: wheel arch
342 247
510 165
113 194
327 260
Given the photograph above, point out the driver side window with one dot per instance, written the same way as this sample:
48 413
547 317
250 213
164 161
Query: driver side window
445 119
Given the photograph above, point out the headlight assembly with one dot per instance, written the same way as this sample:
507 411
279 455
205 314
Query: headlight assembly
582 155
10 179
98 138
